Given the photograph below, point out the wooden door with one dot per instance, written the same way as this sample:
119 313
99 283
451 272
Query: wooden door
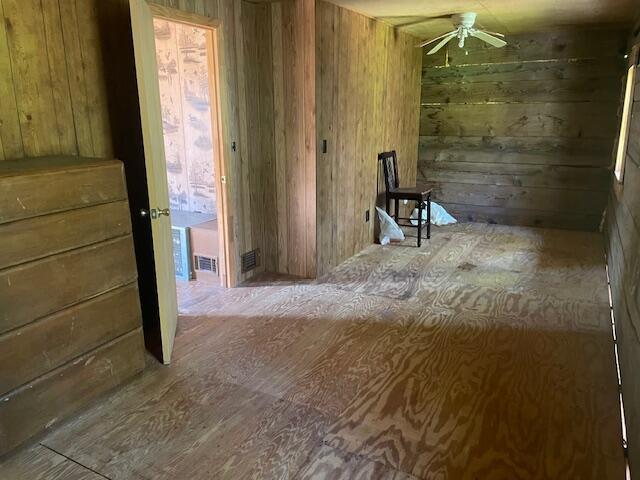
151 118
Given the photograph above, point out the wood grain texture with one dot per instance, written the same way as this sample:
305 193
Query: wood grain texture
88 271
561 151
41 462
68 286
56 184
37 348
54 80
543 104
77 97
22 241
40 405
294 52
622 232
591 120
367 84
487 353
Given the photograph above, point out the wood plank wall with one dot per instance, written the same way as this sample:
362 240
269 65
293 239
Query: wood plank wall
293 41
52 81
523 135
53 325
622 232
368 90
61 52
57 62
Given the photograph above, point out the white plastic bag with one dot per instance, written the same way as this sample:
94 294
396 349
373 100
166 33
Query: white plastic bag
389 229
439 216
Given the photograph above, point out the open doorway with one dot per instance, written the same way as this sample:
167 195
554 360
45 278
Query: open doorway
184 57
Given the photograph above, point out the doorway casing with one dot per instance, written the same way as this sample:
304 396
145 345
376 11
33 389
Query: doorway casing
142 15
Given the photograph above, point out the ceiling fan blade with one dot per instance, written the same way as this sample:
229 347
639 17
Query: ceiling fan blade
485 37
410 21
495 34
442 43
427 42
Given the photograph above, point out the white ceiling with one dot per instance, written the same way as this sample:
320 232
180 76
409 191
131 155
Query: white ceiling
506 16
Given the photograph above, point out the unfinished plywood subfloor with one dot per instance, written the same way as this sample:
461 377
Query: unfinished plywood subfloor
485 354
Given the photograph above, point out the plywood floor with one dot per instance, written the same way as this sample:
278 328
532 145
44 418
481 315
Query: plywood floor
486 354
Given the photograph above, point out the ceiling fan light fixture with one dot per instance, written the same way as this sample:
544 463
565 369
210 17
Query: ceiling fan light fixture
464 27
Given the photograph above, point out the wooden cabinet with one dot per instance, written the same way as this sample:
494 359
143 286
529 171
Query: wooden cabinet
70 322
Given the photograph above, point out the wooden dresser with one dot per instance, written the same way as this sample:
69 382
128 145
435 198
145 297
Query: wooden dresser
70 323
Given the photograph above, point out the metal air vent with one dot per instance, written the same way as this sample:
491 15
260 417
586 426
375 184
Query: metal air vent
205 264
250 260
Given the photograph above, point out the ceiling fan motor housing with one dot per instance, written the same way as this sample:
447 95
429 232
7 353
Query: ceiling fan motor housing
465 20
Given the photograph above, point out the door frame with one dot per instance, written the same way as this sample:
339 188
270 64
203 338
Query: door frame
226 267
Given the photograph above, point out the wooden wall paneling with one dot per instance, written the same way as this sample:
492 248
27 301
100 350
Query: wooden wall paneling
56 52
592 69
293 41
32 79
243 168
365 85
258 93
94 75
230 127
10 134
310 151
78 84
68 285
622 233
577 89
537 117
33 195
344 122
553 151
88 271
366 75
265 152
521 175
552 200
39 347
279 136
42 404
21 241
591 120
293 76
524 216
325 68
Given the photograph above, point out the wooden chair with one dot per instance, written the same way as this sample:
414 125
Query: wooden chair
420 195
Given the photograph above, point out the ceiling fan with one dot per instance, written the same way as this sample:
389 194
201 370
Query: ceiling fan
464 28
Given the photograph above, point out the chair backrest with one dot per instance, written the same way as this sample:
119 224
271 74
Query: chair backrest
390 167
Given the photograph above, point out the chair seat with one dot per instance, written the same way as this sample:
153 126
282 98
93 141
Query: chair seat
410 193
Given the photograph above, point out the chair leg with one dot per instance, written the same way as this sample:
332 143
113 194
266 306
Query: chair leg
397 208
419 224
429 217
388 203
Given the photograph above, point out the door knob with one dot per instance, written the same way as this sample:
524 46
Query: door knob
154 212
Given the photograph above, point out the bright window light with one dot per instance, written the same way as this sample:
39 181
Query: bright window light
626 118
